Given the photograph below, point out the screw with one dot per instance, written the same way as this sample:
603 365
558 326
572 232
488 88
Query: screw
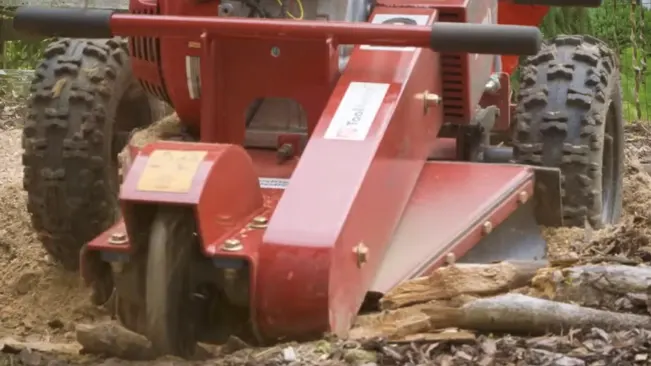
259 222
361 250
523 197
118 239
275 51
450 258
487 227
232 245
429 100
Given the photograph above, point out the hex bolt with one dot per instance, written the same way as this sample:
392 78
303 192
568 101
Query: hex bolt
275 51
260 220
232 245
429 100
487 228
118 238
450 259
523 197
361 251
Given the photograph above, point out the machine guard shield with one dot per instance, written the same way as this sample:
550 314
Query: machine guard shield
454 207
185 173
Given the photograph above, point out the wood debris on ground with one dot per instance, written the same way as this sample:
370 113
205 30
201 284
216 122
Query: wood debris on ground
588 304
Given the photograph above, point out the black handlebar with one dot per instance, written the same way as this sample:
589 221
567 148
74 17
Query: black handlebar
64 22
485 38
445 37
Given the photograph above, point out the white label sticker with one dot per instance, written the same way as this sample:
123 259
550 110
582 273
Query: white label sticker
398 20
356 111
193 74
273 183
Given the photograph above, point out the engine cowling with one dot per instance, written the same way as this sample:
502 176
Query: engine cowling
178 82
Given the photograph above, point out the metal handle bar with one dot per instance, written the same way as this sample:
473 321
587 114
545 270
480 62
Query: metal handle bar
441 37
578 3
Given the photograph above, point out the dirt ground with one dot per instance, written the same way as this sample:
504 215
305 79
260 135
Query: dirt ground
39 302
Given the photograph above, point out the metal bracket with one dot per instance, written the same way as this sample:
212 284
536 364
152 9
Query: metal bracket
548 202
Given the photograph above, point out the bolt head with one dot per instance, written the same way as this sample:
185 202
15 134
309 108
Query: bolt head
487 228
433 99
260 220
361 250
232 245
523 197
118 238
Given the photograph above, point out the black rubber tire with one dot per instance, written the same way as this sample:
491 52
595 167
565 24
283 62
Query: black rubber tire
569 116
79 92
169 316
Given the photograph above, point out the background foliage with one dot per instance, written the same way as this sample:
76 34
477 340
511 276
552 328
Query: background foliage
622 25
615 22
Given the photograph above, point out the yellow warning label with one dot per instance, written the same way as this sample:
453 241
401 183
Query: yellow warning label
170 171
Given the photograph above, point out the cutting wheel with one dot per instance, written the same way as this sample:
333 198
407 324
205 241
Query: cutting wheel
172 240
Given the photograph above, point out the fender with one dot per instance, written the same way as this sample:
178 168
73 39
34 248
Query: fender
510 13
218 180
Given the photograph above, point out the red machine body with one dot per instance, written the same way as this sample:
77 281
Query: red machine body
356 209
163 65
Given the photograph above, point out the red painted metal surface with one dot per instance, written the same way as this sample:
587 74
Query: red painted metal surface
343 32
464 75
445 214
240 50
103 241
161 63
307 254
341 193
225 189
509 13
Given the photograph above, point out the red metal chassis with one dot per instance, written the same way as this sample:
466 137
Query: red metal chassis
345 198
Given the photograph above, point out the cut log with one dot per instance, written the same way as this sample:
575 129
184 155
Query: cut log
607 287
397 324
521 314
10 345
463 279
392 324
509 313
112 340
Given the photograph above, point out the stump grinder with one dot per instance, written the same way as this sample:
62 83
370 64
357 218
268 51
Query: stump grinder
329 150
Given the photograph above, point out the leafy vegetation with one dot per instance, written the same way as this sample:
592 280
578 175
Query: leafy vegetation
613 23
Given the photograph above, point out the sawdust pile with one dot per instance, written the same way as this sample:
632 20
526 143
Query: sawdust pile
38 300
41 304
629 241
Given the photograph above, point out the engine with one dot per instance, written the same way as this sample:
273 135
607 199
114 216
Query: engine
182 56
326 10
348 10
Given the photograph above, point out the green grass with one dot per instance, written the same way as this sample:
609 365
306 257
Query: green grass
628 88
